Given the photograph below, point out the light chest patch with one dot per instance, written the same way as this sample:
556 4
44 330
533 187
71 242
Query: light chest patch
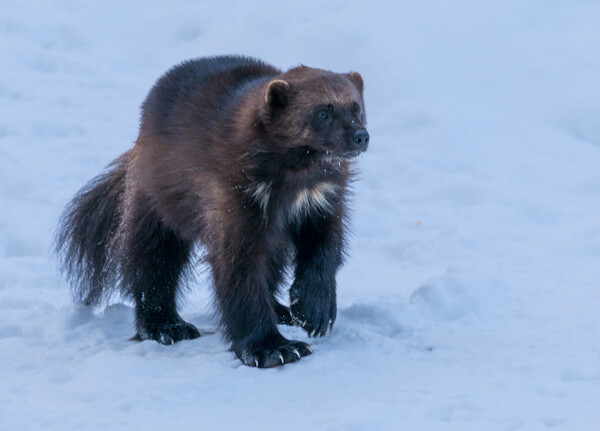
260 193
319 198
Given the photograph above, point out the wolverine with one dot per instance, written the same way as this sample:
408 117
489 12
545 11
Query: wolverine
251 164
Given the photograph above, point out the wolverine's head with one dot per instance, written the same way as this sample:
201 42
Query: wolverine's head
317 111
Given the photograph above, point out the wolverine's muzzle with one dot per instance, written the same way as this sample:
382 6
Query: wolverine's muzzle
361 140
358 144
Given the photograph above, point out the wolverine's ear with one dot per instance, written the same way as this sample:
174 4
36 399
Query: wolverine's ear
358 81
276 95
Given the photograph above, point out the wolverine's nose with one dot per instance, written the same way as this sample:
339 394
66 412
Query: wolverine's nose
361 139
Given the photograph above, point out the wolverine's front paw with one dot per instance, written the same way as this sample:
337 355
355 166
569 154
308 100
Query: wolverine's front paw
270 351
167 333
315 313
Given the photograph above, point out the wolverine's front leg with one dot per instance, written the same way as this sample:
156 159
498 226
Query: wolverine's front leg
319 242
243 270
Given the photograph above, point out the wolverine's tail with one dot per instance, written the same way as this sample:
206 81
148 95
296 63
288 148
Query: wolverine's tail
86 231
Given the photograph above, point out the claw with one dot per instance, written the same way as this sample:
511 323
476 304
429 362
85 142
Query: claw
281 359
312 334
296 352
294 301
303 324
308 348
256 363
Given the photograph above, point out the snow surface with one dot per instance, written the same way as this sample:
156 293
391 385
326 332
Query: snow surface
470 299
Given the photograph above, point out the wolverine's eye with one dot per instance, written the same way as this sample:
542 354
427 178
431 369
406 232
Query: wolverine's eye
323 114
357 108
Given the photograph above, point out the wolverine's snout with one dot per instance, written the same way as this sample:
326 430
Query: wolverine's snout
361 140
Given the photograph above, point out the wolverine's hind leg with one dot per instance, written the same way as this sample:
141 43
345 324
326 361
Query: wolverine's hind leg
284 314
278 261
156 258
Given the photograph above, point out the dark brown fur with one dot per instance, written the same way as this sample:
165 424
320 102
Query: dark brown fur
252 163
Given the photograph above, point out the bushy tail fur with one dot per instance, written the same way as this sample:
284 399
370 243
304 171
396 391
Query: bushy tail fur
86 233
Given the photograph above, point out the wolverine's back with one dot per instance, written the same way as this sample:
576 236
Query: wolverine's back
199 90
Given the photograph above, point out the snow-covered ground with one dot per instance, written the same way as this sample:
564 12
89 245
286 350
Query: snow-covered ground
471 297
